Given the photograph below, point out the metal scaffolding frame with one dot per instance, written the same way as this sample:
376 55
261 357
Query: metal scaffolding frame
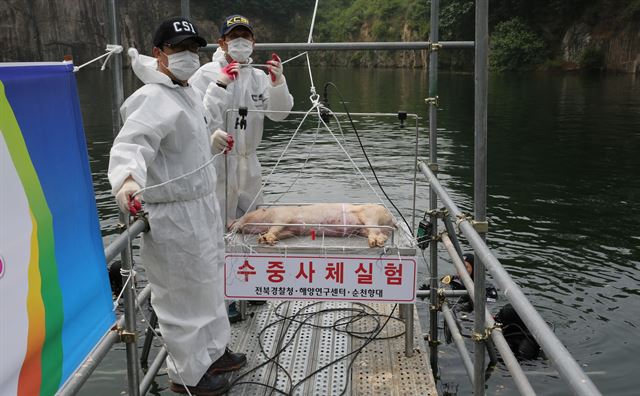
570 371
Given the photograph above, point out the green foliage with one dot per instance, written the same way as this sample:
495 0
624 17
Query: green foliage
525 33
514 46
591 59
631 11
457 20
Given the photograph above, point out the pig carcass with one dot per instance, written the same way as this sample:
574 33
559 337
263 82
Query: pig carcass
277 222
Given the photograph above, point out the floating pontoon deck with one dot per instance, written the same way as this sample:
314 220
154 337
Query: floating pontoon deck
274 331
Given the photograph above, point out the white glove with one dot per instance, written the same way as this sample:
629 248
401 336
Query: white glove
123 197
228 74
275 70
220 140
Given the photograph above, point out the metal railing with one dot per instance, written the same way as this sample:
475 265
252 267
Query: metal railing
568 368
347 46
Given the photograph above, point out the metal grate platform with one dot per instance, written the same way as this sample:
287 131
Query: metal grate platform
308 362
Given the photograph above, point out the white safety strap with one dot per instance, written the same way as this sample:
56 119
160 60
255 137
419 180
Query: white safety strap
111 49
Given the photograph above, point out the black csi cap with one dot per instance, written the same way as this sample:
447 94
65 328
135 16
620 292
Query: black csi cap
175 30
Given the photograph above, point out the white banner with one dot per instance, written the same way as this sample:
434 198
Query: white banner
261 276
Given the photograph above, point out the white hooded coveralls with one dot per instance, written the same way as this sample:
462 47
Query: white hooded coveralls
252 89
164 136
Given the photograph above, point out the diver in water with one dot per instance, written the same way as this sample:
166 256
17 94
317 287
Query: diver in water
519 338
464 303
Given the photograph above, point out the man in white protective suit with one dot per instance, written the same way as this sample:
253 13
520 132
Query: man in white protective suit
229 82
165 136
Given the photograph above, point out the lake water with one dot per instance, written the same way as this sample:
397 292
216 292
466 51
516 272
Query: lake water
563 195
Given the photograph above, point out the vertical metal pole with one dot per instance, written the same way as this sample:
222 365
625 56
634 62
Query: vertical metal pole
148 340
433 197
117 93
415 181
408 328
185 9
408 317
480 182
117 97
129 334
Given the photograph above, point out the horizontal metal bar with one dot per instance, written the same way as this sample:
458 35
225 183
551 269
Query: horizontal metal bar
457 339
121 242
412 115
447 293
350 46
82 374
261 66
568 368
150 375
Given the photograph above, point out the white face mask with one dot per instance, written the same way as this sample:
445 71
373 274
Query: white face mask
183 64
240 49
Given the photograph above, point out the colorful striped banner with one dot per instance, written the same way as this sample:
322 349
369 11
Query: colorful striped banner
55 298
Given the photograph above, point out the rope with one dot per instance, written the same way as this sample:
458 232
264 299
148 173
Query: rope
313 21
294 57
350 158
111 49
304 164
177 177
266 180
130 274
314 96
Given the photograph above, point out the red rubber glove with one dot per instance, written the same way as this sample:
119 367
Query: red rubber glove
229 143
123 197
228 73
134 206
275 70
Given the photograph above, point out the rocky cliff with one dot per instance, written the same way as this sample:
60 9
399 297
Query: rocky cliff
618 46
43 30
46 30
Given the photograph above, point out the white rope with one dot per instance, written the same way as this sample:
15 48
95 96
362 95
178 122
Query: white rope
313 21
312 89
178 177
264 183
294 57
111 49
314 96
130 274
306 160
351 159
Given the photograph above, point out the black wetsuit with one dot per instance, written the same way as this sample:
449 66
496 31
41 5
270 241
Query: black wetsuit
520 340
